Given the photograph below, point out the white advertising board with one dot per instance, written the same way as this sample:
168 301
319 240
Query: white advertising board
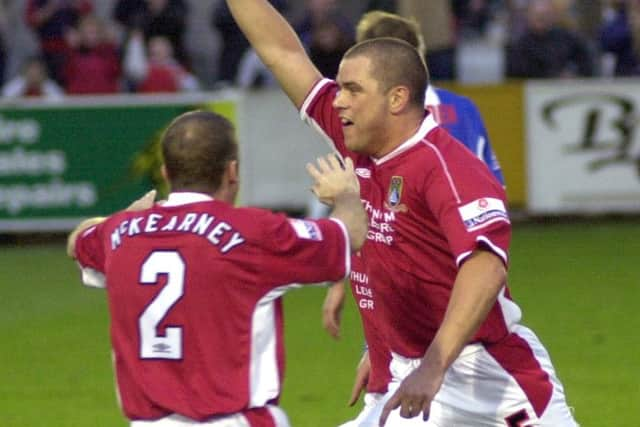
583 146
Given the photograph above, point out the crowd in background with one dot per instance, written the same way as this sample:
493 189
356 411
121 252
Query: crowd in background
141 45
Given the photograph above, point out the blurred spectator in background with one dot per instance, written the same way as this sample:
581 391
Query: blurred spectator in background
166 18
385 5
619 38
252 73
517 12
329 42
153 68
33 81
436 19
4 26
51 19
92 65
326 35
566 16
234 43
546 50
472 16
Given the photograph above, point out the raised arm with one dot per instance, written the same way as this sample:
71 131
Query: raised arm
277 45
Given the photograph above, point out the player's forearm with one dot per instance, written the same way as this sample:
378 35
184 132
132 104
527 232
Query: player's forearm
277 45
348 209
267 31
71 240
474 293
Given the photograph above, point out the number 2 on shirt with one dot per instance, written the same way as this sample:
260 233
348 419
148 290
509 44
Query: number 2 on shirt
152 345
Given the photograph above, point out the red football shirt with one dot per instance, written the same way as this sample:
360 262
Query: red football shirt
379 356
193 289
431 203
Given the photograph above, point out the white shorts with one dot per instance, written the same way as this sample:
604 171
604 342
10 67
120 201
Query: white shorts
234 420
510 385
367 416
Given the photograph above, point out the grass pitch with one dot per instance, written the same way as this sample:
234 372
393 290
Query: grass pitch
578 285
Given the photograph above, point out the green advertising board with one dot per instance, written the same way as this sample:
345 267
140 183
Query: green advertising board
60 164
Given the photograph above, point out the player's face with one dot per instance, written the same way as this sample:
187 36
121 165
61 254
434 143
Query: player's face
361 105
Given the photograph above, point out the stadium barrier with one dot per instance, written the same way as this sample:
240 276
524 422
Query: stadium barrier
583 151
87 156
565 147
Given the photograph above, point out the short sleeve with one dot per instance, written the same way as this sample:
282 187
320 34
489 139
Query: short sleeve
469 205
90 256
318 112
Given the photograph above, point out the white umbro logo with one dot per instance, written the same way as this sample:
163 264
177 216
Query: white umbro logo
363 172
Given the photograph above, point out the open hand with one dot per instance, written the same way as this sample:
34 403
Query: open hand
144 202
333 178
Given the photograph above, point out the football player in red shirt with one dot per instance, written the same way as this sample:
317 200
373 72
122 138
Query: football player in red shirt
436 254
194 283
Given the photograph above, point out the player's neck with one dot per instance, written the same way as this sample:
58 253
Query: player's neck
226 194
398 132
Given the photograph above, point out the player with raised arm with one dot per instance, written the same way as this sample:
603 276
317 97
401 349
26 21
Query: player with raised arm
458 115
194 284
437 245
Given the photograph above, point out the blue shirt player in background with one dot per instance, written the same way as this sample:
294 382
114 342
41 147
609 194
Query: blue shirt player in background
461 118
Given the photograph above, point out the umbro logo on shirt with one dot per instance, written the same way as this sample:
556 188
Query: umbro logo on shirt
363 172
161 348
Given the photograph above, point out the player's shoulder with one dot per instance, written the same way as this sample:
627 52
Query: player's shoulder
257 221
441 147
114 219
322 87
436 137
429 136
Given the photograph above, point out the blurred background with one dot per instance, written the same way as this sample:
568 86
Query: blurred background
87 88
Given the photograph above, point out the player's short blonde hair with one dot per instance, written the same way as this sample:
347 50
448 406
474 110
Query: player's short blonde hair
377 23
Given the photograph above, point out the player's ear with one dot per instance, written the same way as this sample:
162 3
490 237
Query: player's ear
163 171
398 99
233 173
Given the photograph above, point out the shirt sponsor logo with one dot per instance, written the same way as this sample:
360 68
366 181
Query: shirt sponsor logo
363 172
482 212
380 223
306 229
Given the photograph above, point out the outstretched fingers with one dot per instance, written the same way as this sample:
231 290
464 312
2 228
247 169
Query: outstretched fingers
410 406
391 404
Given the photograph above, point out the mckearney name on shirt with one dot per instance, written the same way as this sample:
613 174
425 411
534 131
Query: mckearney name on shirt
218 233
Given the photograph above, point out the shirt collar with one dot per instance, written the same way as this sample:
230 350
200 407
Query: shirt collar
186 197
428 124
431 96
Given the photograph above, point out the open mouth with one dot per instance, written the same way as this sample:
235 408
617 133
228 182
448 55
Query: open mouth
346 122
